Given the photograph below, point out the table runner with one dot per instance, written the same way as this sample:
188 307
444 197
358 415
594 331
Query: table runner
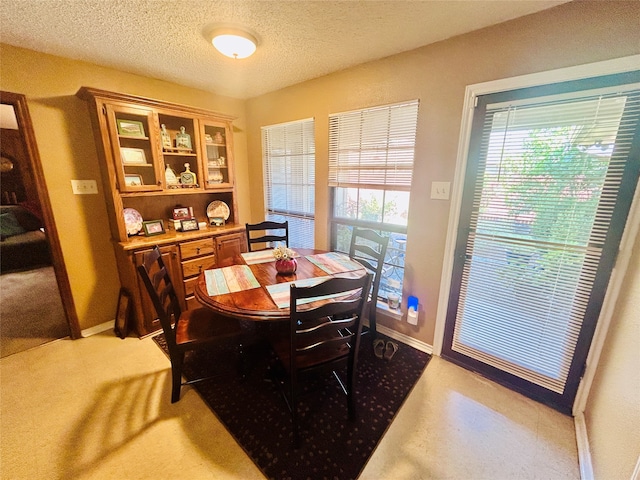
261 256
334 262
230 279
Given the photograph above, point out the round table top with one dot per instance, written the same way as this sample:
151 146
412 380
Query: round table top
256 304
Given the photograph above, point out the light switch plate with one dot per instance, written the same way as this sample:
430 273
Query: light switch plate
440 190
84 187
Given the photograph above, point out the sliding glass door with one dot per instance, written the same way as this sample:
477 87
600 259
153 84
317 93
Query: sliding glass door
550 178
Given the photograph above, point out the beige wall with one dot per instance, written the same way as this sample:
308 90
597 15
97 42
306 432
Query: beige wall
613 410
67 149
572 34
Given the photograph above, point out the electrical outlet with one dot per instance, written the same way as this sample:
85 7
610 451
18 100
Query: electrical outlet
440 190
84 187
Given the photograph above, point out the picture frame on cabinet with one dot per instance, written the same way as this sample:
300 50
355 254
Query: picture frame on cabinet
130 128
132 156
132 180
189 224
153 227
123 313
180 213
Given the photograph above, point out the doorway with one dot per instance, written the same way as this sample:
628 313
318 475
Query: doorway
37 305
550 177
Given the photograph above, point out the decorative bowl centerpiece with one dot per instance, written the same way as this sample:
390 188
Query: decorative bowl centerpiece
286 263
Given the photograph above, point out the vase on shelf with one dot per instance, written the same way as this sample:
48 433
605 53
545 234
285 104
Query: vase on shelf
286 267
166 138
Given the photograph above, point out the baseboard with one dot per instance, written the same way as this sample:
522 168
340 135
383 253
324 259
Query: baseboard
401 337
98 329
584 452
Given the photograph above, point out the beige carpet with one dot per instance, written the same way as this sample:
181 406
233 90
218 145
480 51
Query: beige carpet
31 311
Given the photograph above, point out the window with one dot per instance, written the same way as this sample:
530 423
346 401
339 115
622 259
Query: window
551 173
288 155
371 155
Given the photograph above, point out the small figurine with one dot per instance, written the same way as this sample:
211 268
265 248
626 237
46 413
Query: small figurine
188 178
166 138
215 176
170 177
183 140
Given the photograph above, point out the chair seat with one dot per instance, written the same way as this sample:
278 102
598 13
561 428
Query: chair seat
202 325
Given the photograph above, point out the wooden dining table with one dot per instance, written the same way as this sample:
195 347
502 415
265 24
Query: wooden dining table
254 301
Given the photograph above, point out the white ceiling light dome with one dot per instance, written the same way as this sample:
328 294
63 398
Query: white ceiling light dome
234 42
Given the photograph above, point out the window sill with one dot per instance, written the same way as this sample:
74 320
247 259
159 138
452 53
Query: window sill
384 309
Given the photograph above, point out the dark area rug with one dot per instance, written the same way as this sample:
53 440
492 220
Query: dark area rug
255 413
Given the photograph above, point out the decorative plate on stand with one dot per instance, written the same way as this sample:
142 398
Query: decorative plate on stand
132 221
218 209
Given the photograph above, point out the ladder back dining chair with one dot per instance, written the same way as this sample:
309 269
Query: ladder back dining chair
183 330
369 249
281 233
324 337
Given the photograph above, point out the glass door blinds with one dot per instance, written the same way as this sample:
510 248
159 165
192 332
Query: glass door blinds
550 178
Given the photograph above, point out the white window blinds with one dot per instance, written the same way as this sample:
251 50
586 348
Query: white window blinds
374 147
288 152
549 176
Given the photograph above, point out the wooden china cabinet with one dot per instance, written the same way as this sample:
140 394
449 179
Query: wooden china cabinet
156 156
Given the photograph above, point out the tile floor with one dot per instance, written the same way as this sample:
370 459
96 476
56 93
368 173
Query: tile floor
98 408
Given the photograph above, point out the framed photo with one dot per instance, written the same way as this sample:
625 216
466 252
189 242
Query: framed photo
123 313
153 227
130 128
133 180
180 213
132 156
189 224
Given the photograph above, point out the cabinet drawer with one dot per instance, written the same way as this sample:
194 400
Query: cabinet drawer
193 267
190 285
197 248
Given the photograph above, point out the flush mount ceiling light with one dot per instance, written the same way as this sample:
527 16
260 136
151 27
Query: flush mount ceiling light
233 42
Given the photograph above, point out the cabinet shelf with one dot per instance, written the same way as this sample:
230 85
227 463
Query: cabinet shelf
179 154
176 191
131 137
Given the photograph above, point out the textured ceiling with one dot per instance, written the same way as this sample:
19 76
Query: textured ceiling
297 40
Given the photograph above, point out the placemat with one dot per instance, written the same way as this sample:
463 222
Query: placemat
281 292
334 262
230 279
261 256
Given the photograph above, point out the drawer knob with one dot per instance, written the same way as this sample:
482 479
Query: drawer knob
198 250
199 268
